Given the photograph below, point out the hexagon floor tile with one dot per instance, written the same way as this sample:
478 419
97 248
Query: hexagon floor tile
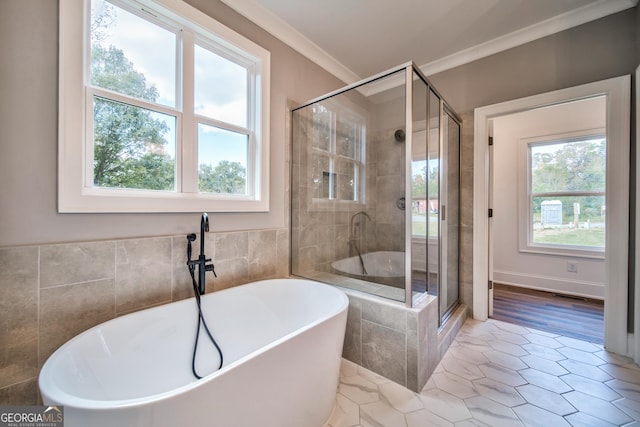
498 374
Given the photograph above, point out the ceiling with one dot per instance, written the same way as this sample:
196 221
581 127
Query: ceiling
355 39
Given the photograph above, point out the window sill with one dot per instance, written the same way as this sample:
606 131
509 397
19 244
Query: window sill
132 201
564 251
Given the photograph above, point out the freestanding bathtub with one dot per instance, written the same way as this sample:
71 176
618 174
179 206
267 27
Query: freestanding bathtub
282 343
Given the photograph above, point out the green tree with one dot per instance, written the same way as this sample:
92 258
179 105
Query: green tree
585 162
226 178
419 183
129 148
575 166
128 141
434 181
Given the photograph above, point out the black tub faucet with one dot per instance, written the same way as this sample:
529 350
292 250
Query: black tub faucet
204 264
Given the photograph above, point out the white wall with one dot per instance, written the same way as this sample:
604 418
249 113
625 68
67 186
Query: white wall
534 270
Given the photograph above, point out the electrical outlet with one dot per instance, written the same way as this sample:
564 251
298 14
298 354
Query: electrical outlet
572 266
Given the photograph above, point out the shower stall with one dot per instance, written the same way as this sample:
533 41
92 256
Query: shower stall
375 190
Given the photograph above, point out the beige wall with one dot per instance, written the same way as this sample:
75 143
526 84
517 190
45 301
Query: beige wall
594 51
598 50
28 150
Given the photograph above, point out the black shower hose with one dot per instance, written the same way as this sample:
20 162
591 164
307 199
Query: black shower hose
204 324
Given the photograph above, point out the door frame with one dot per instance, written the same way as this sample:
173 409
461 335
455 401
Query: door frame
618 93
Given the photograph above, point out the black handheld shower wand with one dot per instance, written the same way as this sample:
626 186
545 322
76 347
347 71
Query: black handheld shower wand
204 264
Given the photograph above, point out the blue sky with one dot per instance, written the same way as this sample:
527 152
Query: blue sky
220 84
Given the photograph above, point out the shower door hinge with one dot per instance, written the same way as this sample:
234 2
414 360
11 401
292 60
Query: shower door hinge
490 284
490 213
490 140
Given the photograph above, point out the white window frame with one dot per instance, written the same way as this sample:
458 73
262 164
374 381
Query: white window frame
360 116
525 231
76 192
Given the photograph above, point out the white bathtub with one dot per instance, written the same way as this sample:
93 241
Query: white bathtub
282 343
385 267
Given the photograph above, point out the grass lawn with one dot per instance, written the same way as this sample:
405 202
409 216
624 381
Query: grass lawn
571 236
420 225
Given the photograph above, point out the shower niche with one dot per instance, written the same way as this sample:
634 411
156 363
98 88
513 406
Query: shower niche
375 189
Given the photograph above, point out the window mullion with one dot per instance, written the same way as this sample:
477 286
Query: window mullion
222 125
254 170
124 99
333 148
88 143
188 136
569 194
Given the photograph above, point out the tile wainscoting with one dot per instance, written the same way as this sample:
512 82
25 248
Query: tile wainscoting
50 293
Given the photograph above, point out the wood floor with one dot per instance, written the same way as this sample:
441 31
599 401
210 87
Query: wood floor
572 317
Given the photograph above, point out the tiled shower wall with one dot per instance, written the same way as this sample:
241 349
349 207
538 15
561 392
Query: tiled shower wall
388 169
323 233
50 293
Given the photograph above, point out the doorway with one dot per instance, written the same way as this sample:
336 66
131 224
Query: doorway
617 93
547 194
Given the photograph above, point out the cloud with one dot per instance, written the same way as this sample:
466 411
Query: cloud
220 87
150 48
220 84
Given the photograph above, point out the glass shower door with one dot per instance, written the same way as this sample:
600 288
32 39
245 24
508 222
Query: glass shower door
443 206
433 195
450 216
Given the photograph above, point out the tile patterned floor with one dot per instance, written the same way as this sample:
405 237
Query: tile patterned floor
499 374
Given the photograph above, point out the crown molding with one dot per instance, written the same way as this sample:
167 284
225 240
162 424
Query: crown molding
558 23
263 17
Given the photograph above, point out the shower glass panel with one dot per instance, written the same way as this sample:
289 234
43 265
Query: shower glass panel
450 220
366 172
348 186
419 182
433 195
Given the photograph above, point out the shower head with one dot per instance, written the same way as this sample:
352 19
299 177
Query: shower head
399 135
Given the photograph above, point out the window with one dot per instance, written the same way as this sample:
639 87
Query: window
338 158
425 180
162 109
425 183
566 194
